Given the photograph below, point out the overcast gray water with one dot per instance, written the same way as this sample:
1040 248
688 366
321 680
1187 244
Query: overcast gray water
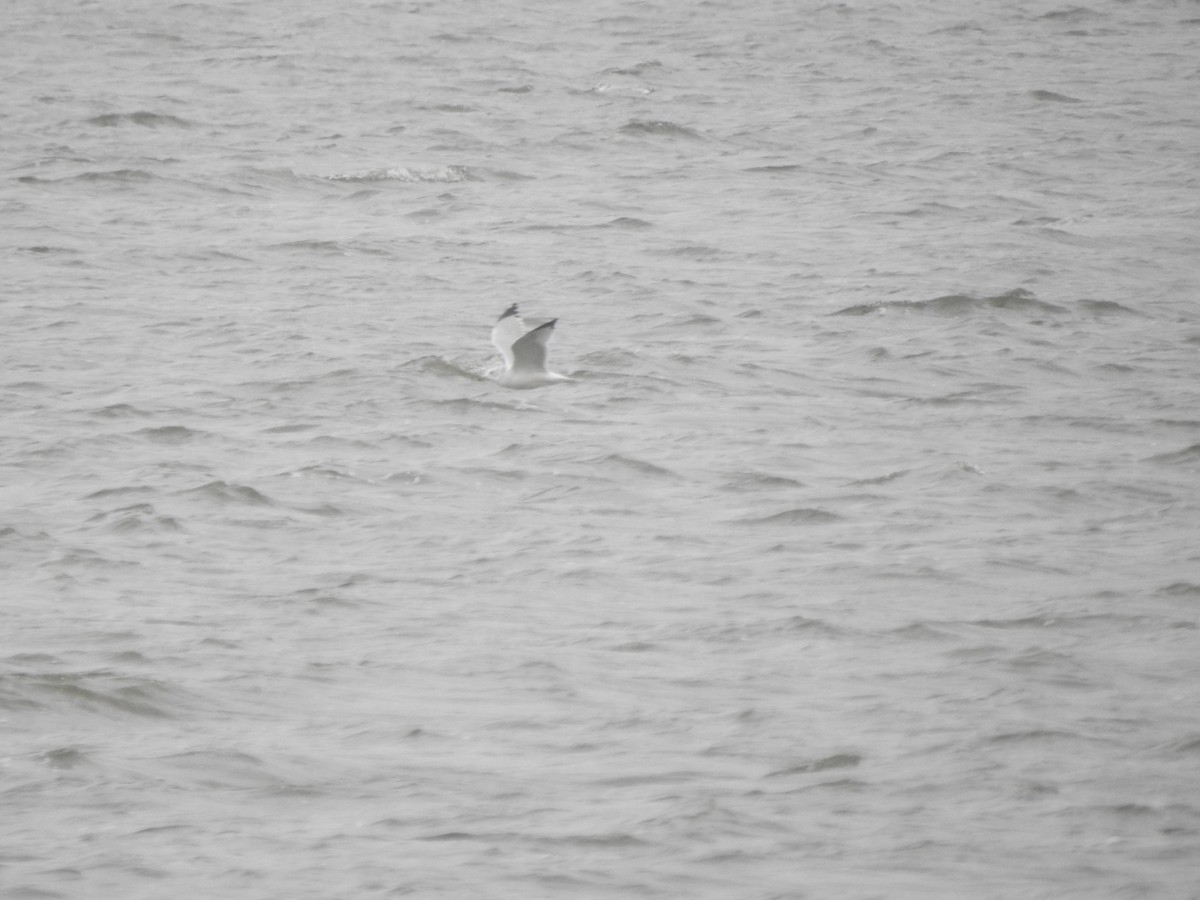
861 561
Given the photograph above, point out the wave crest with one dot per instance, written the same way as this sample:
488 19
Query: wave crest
436 175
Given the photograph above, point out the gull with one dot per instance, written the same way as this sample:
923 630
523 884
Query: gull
524 351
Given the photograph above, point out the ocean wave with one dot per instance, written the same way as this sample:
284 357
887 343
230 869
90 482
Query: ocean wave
418 175
141 118
120 176
440 367
100 692
225 493
798 516
660 128
1186 456
952 305
170 434
810 767
1053 97
140 517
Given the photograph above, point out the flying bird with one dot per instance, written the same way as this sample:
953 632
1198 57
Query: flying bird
524 350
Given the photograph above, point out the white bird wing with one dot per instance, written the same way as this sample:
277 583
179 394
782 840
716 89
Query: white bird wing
530 351
509 329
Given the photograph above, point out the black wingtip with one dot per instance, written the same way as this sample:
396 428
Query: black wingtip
511 311
545 325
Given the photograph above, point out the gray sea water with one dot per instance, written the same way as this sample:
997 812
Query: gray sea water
861 560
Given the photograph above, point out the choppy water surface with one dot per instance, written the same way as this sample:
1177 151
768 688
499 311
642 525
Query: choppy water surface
860 562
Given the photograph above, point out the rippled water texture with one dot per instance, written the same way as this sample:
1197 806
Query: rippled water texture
860 561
